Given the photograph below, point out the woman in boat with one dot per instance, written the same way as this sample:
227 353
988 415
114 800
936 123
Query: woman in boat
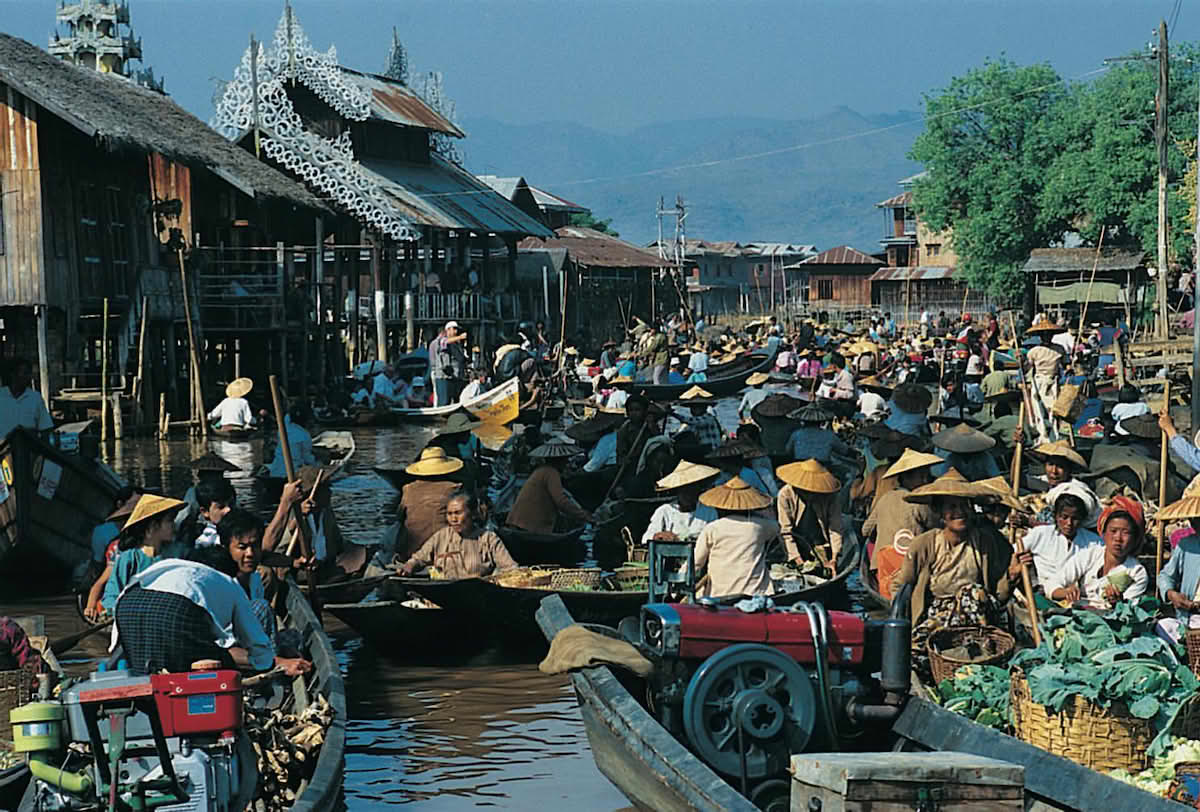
734 547
1102 575
543 499
1179 581
685 517
810 514
959 571
461 549
895 521
1048 547
234 412
241 533
149 529
700 421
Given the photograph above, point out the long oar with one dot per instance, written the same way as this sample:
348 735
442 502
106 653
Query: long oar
1018 547
290 468
65 644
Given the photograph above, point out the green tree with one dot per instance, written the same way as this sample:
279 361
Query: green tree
586 220
987 141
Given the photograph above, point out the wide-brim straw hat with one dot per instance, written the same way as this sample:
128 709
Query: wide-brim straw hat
588 362
808 475
434 462
622 379
912 398
911 461
778 405
125 510
686 473
735 495
555 449
1044 327
873 384
950 484
812 413
458 423
238 388
213 462
151 505
1186 508
1060 449
697 395
1144 426
757 378
962 439
590 430
999 485
728 449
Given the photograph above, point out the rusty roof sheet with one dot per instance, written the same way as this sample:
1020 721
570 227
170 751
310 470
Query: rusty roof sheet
1083 258
902 199
587 246
442 195
396 103
842 255
920 272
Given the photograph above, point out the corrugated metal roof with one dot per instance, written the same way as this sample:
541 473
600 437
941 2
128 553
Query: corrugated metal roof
1082 259
911 179
505 187
921 272
779 249
590 247
902 199
442 195
395 103
842 255
546 200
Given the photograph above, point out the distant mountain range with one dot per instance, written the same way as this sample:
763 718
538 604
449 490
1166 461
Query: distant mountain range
823 193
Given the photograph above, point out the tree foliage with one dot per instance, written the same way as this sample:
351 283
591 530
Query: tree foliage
586 220
1017 158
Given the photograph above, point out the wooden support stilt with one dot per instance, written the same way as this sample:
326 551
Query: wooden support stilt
104 375
118 418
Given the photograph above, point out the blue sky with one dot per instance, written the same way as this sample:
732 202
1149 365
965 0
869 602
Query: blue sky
619 65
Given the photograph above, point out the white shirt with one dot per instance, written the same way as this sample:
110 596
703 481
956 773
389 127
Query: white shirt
1124 410
975 365
1065 341
734 548
924 317
605 453
872 404
300 442
1083 568
669 518
232 412
28 410
219 595
617 399
1052 550
698 362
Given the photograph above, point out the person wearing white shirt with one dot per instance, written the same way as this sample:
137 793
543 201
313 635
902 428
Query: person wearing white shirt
1053 545
698 366
301 445
872 405
1103 574
21 405
616 400
234 411
177 611
1130 405
684 518
604 454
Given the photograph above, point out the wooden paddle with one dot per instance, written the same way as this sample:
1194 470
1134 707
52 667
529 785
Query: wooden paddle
1026 580
296 534
1162 480
65 644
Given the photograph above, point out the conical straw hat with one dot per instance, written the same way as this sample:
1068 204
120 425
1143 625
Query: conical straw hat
434 462
808 475
126 509
1044 327
239 388
1000 486
686 473
1186 508
812 413
1061 449
912 460
697 394
213 462
735 495
962 439
151 505
912 398
951 483
778 405
757 378
554 450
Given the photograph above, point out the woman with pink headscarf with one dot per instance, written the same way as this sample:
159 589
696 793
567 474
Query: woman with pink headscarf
1101 575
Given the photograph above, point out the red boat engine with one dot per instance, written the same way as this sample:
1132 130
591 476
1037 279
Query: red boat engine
746 690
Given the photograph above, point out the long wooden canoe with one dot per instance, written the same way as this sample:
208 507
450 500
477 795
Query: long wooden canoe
405 632
50 501
500 404
333 449
730 381
565 549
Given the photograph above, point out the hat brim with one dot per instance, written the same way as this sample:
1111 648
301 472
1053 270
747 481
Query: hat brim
434 467
239 388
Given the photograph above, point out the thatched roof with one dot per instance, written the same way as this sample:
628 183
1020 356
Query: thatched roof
120 116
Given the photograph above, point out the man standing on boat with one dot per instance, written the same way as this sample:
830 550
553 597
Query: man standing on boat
21 405
656 355
447 361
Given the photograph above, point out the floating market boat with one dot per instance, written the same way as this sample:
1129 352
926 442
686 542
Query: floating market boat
500 405
333 450
565 549
728 379
50 500
399 626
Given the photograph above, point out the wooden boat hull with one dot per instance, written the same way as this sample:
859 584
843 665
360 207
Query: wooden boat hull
324 790
499 405
49 503
564 549
351 590
723 385
631 748
333 449
399 630
236 435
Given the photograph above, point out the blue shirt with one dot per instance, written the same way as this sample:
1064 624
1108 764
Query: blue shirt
1189 452
811 443
1182 573
902 421
675 377
103 535
128 564
626 368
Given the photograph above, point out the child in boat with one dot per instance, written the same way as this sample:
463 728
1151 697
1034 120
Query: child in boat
1103 575
149 529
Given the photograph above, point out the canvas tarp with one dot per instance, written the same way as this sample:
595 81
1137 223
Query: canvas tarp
1102 293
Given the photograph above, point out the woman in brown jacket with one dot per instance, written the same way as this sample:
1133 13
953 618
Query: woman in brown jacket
959 572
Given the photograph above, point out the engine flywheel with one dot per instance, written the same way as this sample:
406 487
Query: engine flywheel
754 695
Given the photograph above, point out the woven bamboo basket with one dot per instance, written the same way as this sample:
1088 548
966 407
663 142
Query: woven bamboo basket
1191 639
633 552
1097 738
569 578
943 666
632 579
16 688
523 578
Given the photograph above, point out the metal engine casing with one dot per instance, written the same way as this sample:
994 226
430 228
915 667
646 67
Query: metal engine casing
136 727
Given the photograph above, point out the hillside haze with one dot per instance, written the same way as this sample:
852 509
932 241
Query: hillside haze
823 193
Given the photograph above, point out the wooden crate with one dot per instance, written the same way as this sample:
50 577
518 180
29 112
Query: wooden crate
900 782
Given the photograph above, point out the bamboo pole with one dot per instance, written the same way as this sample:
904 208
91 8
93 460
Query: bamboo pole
199 413
1162 481
1088 298
162 415
1018 547
104 375
290 468
140 405
1027 400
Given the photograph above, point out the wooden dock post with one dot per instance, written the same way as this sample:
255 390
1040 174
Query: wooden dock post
104 374
140 398
162 415
196 390
118 418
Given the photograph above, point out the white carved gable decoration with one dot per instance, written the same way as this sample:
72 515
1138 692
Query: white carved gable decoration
325 164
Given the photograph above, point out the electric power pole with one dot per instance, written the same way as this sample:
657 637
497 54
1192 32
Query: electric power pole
1160 138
